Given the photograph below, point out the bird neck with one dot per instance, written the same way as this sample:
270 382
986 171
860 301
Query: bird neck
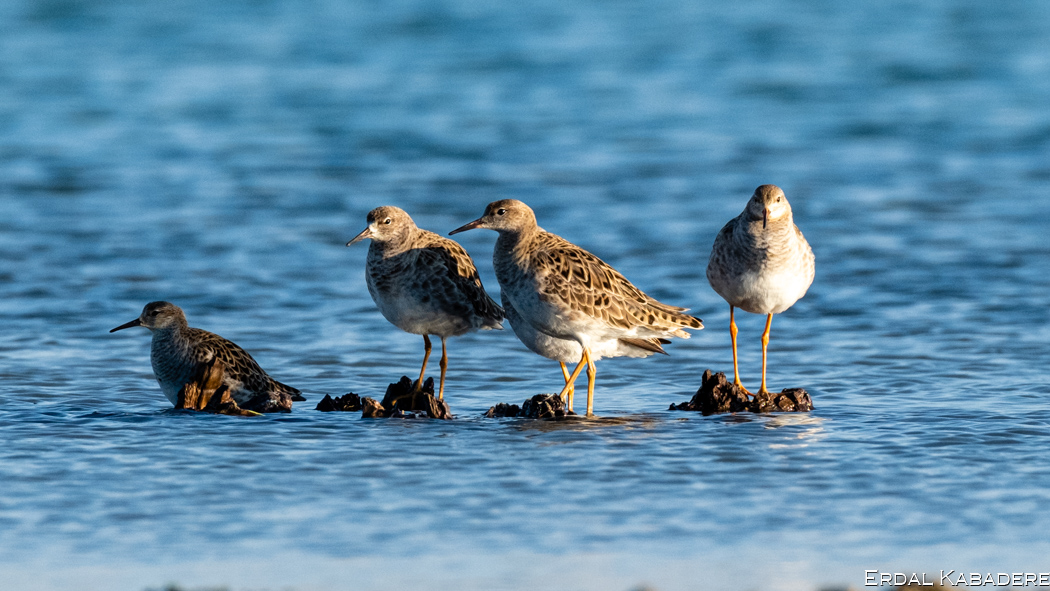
517 240
778 231
173 332
394 245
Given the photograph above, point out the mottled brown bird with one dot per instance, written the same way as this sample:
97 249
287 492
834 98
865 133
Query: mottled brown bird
424 284
565 292
179 352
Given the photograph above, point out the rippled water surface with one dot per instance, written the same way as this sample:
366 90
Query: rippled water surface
219 155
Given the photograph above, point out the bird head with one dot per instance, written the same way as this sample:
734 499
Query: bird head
768 204
505 215
157 316
385 224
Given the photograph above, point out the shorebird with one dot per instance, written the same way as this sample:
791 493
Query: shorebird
565 292
760 263
179 352
568 351
424 284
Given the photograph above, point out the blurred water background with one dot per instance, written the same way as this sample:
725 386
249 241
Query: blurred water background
219 155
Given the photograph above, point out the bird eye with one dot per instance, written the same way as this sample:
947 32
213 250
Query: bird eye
387 221
778 199
501 211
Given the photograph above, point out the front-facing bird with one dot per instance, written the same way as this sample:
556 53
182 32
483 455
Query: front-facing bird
760 263
567 293
423 283
178 353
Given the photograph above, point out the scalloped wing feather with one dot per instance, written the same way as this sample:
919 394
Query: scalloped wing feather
239 365
448 267
576 278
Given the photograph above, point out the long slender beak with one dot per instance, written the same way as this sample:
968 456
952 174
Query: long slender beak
765 216
468 226
366 233
135 322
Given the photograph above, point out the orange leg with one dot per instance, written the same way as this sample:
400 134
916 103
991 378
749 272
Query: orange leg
572 387
765 343
572 378
422 372
444 368
591 372
736 368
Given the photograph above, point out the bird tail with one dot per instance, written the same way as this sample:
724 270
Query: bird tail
668 319
491 313
664 323
292 393
679 316
652 345
690 321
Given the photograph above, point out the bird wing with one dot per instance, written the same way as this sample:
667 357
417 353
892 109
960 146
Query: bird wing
447 268
238 364
570 276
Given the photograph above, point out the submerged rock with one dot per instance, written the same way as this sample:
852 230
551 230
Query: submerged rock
403 401
787 400
718 395
502 409
207 393
261 404
544 406
371 409
348 402
540 406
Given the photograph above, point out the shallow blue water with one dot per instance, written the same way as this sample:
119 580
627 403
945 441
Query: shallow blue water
219 156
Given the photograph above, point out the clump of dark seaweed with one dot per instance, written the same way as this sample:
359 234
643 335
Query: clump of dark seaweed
348 402
718 395
404 401
540 406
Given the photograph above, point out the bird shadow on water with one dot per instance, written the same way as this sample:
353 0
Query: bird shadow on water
134 416
581 423
775 421
772 420
146 416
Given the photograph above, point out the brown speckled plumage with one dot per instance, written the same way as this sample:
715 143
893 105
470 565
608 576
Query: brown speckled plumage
567 292
439 275
568 277
425 283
